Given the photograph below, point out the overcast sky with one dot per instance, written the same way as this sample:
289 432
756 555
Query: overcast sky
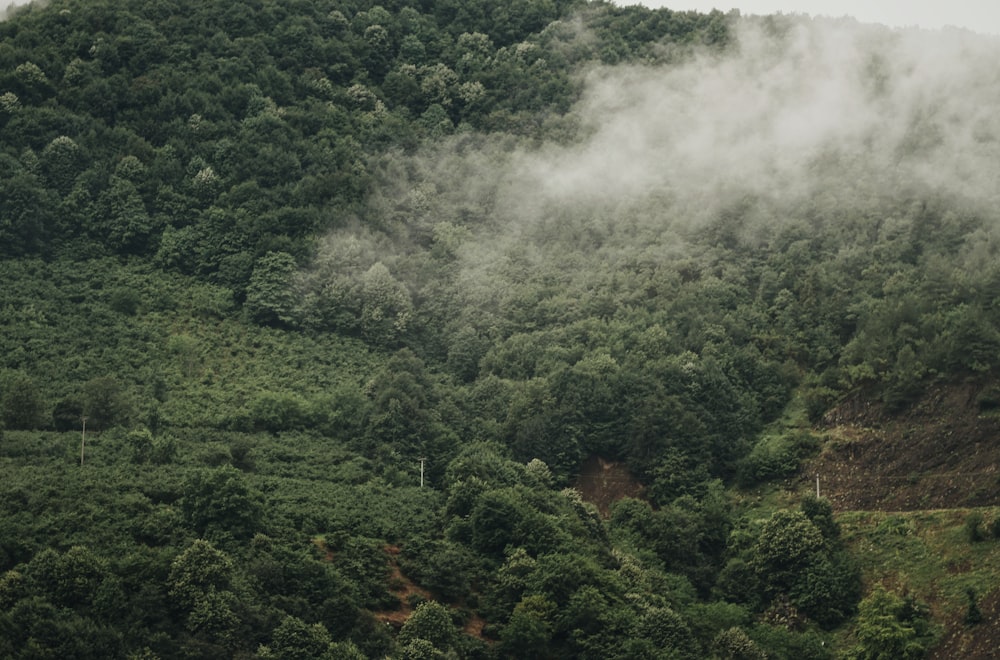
977 15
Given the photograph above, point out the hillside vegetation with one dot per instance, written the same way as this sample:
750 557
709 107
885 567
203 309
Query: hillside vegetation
318 318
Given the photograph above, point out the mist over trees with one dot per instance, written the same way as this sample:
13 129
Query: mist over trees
348 292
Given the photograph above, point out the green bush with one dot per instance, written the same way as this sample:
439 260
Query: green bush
973 527
775 456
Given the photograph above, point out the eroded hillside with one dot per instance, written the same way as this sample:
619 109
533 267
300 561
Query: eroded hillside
942 452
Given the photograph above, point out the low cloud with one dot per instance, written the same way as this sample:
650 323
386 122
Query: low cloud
802 121
800 107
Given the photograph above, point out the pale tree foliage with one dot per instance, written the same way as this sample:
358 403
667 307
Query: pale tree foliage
9 103
735 644
386 307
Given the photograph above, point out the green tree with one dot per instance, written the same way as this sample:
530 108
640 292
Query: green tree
494 519
529 631
67 414
71 579
788 543
430 621
278 411
27 213
20 401
819 511
140 445
294 639
465 350
270 297
386 307
104 403
973 615
890 627
62 160
200 568
221 501
125 223
735 644
213 616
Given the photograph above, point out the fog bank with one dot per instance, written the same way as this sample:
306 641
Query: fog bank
802 107
803 122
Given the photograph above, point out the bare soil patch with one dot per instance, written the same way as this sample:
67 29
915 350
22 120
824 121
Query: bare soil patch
943 452
978 642
403 588
603 482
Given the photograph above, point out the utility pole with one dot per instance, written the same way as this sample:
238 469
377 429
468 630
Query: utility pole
817 486
83 438
422 459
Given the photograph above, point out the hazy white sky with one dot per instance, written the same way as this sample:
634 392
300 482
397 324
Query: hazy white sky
978 15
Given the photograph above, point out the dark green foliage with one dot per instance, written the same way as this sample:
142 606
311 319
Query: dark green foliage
67 414
21 405
294 639
973 615
797 555
104 403
818 400
688 536
140 445
220 503
443 567
529 630
199 570
819 511
776 456
279 257
27 212
269 296
278 412
735 644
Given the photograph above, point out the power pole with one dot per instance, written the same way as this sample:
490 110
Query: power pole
817 486
422 459
83 438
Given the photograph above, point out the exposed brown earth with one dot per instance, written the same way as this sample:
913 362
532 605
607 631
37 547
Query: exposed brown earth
941 453
978 642
402 588
603 482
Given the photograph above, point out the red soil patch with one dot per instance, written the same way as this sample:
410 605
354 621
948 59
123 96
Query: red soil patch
403 588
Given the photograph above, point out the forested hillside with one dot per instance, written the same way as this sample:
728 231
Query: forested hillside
313 312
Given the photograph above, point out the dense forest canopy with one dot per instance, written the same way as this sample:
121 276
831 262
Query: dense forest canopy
346 293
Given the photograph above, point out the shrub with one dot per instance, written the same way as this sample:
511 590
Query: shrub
974 527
